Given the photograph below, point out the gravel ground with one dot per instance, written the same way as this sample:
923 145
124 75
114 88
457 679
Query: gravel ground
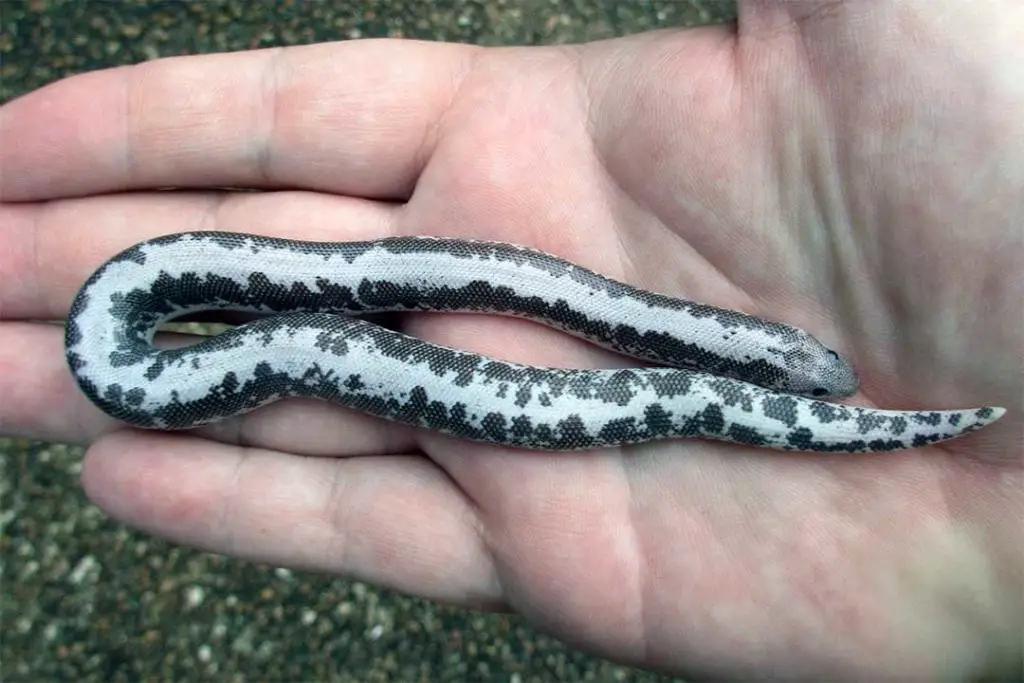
86 599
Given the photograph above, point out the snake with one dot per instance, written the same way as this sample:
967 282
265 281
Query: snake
706 372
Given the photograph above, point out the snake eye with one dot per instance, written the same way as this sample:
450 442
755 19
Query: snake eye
819 391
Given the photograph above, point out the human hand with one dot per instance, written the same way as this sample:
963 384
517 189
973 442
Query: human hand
738 170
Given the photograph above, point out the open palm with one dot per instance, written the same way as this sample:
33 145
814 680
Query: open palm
880 210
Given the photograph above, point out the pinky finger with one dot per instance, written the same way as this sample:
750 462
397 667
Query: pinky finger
395 521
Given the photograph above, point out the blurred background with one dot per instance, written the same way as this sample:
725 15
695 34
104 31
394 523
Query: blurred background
83 598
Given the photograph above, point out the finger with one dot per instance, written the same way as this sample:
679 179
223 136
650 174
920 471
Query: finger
51 248
396 521
38 397
40 400
350 117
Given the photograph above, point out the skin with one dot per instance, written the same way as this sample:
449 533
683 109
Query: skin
854 169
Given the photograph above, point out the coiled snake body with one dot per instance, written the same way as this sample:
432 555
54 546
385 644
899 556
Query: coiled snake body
736 378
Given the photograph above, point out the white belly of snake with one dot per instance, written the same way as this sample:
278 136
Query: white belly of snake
732 378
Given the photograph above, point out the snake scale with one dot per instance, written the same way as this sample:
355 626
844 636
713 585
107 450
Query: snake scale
722 374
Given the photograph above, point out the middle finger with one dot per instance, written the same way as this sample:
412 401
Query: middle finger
50 249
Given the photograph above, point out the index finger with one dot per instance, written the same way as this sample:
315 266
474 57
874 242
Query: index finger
355 118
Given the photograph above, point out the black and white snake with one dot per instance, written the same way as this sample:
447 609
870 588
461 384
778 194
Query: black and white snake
735 377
